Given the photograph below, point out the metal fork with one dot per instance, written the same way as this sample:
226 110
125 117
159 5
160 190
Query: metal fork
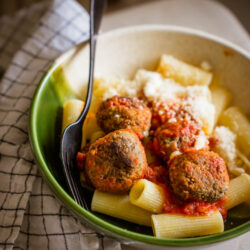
71 139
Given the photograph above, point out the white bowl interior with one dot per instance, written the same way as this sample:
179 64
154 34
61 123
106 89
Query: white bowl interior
122 52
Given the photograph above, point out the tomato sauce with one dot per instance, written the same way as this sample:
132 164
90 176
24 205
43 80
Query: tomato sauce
162 112
212 142
116 101
159 175
80 160
157 171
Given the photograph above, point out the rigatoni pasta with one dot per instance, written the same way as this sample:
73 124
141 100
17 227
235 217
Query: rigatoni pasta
239 191
239 124
120 207
147 195
181 72
225 146
221 99
181 226
89 128
242 162
71 111
96 135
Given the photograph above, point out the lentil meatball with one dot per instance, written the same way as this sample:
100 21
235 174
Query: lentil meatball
115 161
124 112
165 111
199 175
176 136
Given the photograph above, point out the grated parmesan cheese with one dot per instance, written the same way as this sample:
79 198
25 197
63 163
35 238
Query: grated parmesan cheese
204 111
197 97
225 143
226 147
155 86
201 141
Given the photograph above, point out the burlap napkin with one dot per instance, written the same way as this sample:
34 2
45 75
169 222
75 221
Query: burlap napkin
30 216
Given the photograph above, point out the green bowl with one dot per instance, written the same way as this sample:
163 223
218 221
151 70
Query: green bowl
122 52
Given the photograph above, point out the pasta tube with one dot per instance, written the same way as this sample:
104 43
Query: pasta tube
182 72
71 111
180 226
220 98
89 128
96 135
239 191
242 162
147 195
239 124
120 207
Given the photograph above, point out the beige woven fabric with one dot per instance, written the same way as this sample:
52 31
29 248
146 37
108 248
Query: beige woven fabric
30 215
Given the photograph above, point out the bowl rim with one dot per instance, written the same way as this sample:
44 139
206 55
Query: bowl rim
94 221
164 28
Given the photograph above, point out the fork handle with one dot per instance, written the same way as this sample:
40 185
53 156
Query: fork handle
98 9
96 12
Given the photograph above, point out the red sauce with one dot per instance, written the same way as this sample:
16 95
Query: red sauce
149 145
156 173
161 113
199 208
221 207
80 161
179 128
212 142
116 101
205 208
156 145
81 157
159 175
171 204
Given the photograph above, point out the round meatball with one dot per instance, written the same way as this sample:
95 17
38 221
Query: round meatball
124 112
199 175
176 136
115 161
165 111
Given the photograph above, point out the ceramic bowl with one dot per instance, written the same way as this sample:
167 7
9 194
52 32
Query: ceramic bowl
120 53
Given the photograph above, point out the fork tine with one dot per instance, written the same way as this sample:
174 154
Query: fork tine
79 191
69 173
74 182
